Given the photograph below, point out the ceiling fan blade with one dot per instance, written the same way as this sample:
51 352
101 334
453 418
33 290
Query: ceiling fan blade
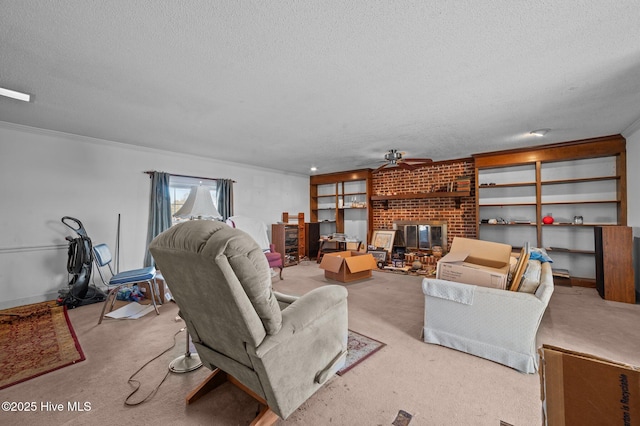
419 160
380 168
405 165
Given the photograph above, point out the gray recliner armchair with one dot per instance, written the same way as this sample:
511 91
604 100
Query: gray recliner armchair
280 349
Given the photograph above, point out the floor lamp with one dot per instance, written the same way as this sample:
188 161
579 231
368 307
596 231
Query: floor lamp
199 205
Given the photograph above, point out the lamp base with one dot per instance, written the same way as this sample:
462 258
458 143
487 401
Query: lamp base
185 363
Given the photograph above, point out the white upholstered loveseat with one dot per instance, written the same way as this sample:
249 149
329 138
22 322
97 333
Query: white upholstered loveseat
498 325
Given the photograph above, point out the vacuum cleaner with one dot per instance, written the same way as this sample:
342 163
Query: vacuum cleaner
79 265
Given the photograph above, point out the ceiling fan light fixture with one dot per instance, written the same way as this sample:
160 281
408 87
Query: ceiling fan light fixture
15 95
393 156
540 132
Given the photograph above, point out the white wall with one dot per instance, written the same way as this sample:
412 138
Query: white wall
633 177
47 175
633 195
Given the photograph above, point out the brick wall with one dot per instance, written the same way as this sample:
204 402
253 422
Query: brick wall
460 220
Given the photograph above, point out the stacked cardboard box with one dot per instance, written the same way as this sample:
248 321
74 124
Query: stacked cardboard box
476 262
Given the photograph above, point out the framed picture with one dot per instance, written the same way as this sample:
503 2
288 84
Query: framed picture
379 255
383 239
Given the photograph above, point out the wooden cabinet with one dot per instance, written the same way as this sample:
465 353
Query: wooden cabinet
614 264
340 203
285 238
299 221
312 235
581 184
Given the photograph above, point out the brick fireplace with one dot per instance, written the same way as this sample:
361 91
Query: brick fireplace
458 212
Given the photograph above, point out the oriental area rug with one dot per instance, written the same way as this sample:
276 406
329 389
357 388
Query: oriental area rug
359 348
34 340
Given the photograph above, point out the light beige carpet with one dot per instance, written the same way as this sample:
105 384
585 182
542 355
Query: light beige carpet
435 385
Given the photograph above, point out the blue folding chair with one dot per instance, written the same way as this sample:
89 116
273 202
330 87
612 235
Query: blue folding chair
102 257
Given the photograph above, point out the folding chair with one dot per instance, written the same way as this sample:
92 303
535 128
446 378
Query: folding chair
102 257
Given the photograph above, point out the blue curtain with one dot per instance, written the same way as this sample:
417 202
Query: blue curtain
159 210
224 190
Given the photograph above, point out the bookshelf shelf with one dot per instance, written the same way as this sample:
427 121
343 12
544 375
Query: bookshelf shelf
580 179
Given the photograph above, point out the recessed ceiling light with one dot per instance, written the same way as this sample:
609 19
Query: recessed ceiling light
15 95
540 132
314 169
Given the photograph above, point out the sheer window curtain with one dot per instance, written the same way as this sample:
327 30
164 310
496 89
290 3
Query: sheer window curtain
159 210
224 191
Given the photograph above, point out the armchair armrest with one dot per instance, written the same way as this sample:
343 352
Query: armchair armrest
309 348
284 300
303 311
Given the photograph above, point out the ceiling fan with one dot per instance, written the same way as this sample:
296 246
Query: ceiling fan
395 158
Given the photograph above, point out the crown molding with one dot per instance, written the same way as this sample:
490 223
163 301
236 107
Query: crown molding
122 145
633 128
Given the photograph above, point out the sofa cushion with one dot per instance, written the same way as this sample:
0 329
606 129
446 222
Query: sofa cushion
531 278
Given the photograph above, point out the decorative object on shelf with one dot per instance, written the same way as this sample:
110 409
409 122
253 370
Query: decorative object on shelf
578 220
548 219
436 251
463 183
496 221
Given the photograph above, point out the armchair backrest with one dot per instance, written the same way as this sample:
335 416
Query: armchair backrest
221 281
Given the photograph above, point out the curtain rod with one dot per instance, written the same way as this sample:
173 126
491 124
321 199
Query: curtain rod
149 172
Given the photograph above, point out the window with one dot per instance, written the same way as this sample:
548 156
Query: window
179 188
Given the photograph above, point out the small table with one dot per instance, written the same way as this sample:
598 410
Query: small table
341 245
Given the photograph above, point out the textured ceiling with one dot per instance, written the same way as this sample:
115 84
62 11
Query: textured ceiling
333 84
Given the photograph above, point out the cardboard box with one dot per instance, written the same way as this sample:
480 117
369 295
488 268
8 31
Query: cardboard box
144 289
582 389
346 266
476 262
